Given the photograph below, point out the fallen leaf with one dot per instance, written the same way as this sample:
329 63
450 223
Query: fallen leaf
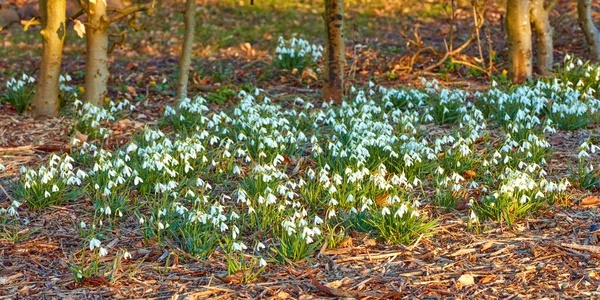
370 243
334 284
382 200
286 160
468 174
131 90
463 252
347 242
487 245
94 281
487 279
81 137
466 280
246 47
282 295
333 291
131 66
590 200
308 73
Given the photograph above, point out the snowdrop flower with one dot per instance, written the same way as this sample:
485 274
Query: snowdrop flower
94 243
239 246
260 246
385 211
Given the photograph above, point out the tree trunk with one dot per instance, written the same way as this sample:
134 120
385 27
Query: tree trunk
543 33
592 35
518 27
333 88
186 52
45 101
96 68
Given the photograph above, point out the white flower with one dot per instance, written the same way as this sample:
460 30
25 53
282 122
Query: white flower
94 243
102 251
260 246
318 220
385 211
262 263
239 246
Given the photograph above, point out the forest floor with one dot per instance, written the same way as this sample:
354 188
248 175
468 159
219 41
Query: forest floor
549 255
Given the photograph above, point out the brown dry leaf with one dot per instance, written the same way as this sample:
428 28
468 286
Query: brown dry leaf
94 281
81 137
131 66
308 73
463 252
487 245
382 200
131 90
333 291
347 242
590 200
286 160
247 47
334 284
466 280
126 123
468 174
370 243
282 295
487 279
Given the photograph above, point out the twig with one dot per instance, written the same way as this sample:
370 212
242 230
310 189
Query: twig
5 193
475 19
368 257
588 248
449 53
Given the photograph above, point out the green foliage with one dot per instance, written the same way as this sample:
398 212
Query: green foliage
401 223
222 96
296 54
19 93
52 185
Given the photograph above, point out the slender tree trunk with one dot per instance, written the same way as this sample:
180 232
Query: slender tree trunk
591 32
186 52
96 68
518 27
333 88
53 17
543 33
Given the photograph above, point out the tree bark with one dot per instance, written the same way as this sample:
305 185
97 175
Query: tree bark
333 88
518 27
591 32
96 68
53 18
186 52
543 33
